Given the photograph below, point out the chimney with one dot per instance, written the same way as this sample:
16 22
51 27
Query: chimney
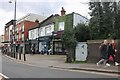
37 21
63 12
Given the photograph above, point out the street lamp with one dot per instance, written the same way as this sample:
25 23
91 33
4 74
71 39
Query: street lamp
14 24
14 9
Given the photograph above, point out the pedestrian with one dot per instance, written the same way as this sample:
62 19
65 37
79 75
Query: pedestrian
111 52
100 46
32 49
103 53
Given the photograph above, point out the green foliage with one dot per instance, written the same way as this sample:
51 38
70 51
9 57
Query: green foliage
68 38
96 19
82 33
104 22
116 20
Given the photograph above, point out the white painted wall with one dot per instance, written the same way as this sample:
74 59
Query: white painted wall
33 34
1 40
46 30
29 35
78 19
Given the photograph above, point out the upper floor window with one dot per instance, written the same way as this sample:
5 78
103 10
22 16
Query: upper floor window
17 30
30 34
33 34
42 31
48 30
17 37
6 30
22 28
23 37
61 26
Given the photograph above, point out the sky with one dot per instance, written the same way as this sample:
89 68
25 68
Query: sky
40 7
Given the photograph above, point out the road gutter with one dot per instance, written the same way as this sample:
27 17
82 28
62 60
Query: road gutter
89 69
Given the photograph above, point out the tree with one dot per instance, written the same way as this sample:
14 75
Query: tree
116 20
96 19
69 40
104 22
107 26
82 33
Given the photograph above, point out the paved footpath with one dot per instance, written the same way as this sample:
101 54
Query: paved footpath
58 61
1 78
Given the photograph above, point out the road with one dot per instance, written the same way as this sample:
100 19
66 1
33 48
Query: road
13 69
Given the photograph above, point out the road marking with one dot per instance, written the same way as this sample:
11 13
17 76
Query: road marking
4 76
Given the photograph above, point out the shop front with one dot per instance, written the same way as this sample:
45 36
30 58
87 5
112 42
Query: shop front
44 43
32 46
58 46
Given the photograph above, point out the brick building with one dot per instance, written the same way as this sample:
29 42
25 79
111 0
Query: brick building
20 32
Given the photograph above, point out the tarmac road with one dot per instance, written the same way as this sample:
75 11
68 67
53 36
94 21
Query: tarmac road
13 69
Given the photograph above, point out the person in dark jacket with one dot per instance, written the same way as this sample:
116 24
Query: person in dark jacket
111 52
104 53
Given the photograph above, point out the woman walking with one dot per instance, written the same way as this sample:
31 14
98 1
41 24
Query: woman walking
111 52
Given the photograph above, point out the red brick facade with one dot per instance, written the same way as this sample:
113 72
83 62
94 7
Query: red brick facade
6 35
22 28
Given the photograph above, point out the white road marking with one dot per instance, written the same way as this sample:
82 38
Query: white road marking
4 76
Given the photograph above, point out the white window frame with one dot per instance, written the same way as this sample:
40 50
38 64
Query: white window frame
22 36
48 30
61 26
22 29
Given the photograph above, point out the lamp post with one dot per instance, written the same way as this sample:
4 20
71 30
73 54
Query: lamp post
14 25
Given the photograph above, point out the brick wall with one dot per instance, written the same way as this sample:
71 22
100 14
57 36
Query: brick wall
94 53
28 25
118 49
6 35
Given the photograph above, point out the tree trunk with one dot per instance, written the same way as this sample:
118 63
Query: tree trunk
70 55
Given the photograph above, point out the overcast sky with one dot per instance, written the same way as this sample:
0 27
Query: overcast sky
41 7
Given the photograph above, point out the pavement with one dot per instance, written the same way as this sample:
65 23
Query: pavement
1 77
58 62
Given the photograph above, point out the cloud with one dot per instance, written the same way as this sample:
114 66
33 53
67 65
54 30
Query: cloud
40 7
77 7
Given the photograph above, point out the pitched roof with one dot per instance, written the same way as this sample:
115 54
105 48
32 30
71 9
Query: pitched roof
48 20
9 23
31 17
